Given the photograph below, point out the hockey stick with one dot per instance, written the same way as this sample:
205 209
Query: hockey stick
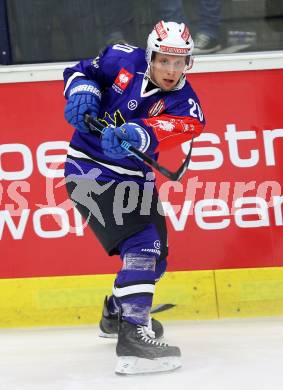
96 127
162 307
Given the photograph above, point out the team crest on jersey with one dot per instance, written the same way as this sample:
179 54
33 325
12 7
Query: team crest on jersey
164 125
157 108
122 80
170 124
115 120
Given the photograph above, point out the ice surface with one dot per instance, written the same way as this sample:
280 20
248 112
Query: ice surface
223 354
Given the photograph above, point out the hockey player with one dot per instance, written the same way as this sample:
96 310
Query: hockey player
142 97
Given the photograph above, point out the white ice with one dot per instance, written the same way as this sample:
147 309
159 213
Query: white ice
237 354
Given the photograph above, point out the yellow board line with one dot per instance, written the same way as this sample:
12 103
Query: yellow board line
250 292
193 295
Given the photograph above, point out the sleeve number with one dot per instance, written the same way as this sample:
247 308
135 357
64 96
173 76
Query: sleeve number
124 47
195 109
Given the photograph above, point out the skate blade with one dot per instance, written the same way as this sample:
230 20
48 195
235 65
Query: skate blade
108 335
132 365
115 336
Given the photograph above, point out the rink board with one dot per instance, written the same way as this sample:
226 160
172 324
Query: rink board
216 267
235 166
192 295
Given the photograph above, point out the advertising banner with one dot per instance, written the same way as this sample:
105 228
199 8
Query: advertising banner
225 213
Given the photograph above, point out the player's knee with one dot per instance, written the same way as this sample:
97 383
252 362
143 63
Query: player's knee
142 265
146 243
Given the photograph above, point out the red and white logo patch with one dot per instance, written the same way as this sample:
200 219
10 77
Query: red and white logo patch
174 50
160 30
123 79
157 108
185 34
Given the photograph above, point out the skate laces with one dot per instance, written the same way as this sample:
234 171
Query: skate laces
148 329
144 335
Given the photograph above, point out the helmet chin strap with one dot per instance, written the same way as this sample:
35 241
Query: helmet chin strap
147 75
179 84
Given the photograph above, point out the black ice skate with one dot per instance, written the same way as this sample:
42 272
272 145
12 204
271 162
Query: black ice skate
109 325
139 354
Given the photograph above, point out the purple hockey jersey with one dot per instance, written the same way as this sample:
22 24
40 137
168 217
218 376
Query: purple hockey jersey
169 118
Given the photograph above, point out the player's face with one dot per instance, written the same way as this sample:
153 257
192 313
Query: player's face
166 70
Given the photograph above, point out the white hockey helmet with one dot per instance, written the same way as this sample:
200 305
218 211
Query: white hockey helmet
170 38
